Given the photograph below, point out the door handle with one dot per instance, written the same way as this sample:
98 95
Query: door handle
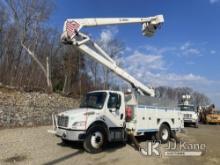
112 110
122 115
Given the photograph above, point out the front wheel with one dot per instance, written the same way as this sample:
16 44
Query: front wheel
163 135
95 140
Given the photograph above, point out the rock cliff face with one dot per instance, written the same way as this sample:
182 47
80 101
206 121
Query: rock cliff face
31 109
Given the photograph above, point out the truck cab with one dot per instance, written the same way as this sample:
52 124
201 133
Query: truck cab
100 118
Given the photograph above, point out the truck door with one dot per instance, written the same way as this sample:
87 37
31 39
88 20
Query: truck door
115 110
115 117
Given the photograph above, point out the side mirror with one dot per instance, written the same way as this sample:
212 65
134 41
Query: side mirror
117 106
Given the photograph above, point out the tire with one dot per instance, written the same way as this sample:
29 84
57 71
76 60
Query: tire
163 135
95 139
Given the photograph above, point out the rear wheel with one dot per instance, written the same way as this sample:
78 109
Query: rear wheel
163 135
95 140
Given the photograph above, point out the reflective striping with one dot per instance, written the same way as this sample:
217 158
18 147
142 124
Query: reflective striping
153 130
71 27
158 108
147 130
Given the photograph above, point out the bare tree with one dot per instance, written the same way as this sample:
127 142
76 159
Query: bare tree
114 48
31 56
94 67
200 99
28 16
176 94
46 70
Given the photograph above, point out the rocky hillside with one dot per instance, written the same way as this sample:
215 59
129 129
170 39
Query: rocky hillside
30 109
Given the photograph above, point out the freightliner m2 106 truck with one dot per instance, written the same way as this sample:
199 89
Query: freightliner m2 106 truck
108 116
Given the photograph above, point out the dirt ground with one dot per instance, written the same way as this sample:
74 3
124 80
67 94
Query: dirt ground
35 146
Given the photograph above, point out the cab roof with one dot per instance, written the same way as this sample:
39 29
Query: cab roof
105 91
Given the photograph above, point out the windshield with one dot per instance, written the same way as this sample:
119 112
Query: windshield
94 100
186 108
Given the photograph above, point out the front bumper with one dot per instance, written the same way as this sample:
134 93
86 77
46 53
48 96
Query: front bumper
190 121
71 135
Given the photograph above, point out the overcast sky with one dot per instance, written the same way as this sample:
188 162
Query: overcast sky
184 52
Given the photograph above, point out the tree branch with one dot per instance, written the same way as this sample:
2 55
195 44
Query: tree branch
35 58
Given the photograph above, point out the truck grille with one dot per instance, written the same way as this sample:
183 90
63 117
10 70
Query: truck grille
187 116
62 121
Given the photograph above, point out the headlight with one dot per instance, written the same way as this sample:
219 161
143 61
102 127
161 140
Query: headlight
195 116
78 124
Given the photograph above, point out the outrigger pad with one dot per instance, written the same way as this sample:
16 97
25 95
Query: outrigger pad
134 141
173 136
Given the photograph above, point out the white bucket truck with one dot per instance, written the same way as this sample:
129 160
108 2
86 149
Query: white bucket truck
106 116
189 111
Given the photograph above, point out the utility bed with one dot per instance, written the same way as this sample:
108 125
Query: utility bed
148 119
149 113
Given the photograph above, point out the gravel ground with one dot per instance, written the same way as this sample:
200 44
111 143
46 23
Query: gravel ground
35 146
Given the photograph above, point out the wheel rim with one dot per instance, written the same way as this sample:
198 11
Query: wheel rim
96 140
165 134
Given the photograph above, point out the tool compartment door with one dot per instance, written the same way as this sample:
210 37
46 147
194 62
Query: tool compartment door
146 119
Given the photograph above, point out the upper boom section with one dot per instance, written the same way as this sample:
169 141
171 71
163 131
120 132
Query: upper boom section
149 24
72 35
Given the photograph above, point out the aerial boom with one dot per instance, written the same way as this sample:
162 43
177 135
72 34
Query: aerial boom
72 35
117 70
149 24
86 22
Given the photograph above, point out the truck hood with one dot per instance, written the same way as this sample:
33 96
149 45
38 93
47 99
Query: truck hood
78 111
